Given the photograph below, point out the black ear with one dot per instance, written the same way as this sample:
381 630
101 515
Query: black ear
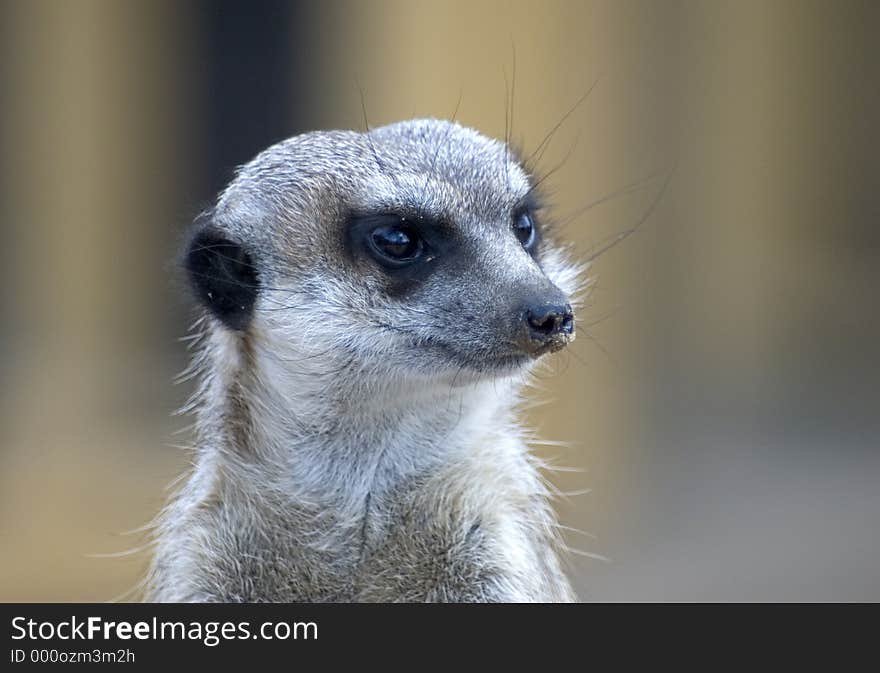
223 276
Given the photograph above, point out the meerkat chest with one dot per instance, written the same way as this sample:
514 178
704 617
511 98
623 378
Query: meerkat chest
409 544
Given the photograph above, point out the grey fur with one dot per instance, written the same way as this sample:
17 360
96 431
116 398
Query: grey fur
353 446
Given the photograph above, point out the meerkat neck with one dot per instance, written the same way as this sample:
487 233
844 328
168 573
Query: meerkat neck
314 433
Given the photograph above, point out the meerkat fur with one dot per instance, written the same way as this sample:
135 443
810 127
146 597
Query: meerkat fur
356 436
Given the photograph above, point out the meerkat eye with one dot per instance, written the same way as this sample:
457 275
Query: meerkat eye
524 228
396 243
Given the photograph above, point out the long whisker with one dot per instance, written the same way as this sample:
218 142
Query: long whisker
542 146
369 138
616 194
547 175
609 243
430 174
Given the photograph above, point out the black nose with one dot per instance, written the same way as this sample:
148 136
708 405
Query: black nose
548 320
549 327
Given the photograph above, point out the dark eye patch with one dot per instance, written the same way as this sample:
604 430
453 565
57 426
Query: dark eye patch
405 248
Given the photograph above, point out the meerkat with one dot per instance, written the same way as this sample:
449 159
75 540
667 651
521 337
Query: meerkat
373 303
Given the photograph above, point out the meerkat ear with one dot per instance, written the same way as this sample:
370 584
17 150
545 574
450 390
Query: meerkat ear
223 277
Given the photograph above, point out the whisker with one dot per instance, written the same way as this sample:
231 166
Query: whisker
609 243
587 554
622 191
442 144
545 142
369 138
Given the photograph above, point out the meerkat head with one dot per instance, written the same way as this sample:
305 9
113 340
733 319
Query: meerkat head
415 250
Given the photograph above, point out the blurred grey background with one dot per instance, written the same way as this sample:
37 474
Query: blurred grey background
722 401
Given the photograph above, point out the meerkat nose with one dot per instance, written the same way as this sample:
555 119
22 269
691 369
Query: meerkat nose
549 320
547 327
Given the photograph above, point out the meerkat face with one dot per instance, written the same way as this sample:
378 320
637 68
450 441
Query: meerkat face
414 250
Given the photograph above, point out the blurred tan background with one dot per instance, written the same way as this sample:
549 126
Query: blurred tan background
723 402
